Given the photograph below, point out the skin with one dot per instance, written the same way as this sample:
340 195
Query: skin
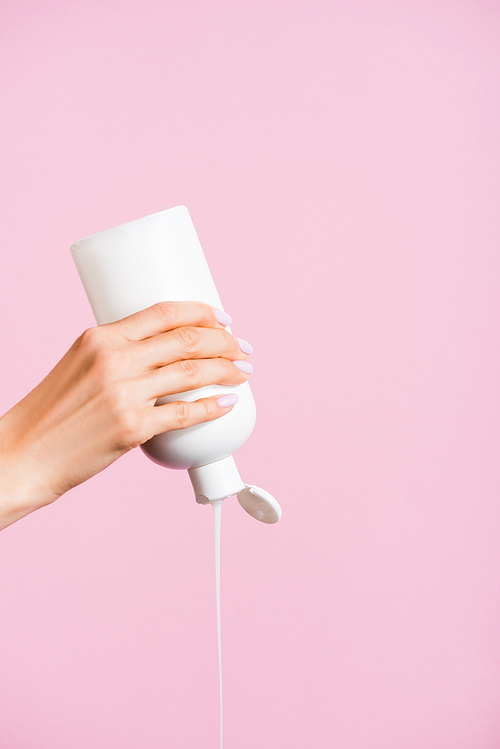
99 401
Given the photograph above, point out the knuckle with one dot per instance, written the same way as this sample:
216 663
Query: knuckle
181 410
188 338
211 409
127 419
128 425
168 312
103 360
92 341
130 429
108 365
190 371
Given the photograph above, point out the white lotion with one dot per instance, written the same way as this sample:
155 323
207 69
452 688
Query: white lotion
159 258
217 505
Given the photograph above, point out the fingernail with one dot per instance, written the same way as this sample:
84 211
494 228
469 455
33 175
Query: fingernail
227 400
223 317
243 366
246 347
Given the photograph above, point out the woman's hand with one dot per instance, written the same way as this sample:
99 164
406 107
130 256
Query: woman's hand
99 401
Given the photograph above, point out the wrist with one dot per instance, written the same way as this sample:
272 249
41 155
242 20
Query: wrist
20 492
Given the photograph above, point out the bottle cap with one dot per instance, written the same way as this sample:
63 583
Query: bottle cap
259 504
221 479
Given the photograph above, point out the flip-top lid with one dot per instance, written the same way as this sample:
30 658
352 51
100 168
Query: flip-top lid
259 504
221 479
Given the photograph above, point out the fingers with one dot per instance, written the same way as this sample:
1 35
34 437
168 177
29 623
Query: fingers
187 342
189 374
166 316
181 414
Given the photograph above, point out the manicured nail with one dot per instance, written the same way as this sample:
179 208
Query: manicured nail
223 317
227 400
246 347
243 366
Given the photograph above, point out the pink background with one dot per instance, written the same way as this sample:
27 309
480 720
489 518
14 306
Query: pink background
341 163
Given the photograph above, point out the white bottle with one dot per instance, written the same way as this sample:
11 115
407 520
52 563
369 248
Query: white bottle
159 258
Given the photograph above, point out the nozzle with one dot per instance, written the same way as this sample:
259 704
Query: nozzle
216 480
219 480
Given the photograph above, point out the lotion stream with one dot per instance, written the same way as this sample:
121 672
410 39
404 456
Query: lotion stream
217 517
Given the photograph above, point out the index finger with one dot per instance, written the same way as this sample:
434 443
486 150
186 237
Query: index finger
165 316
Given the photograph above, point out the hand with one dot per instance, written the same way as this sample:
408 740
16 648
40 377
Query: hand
99 401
